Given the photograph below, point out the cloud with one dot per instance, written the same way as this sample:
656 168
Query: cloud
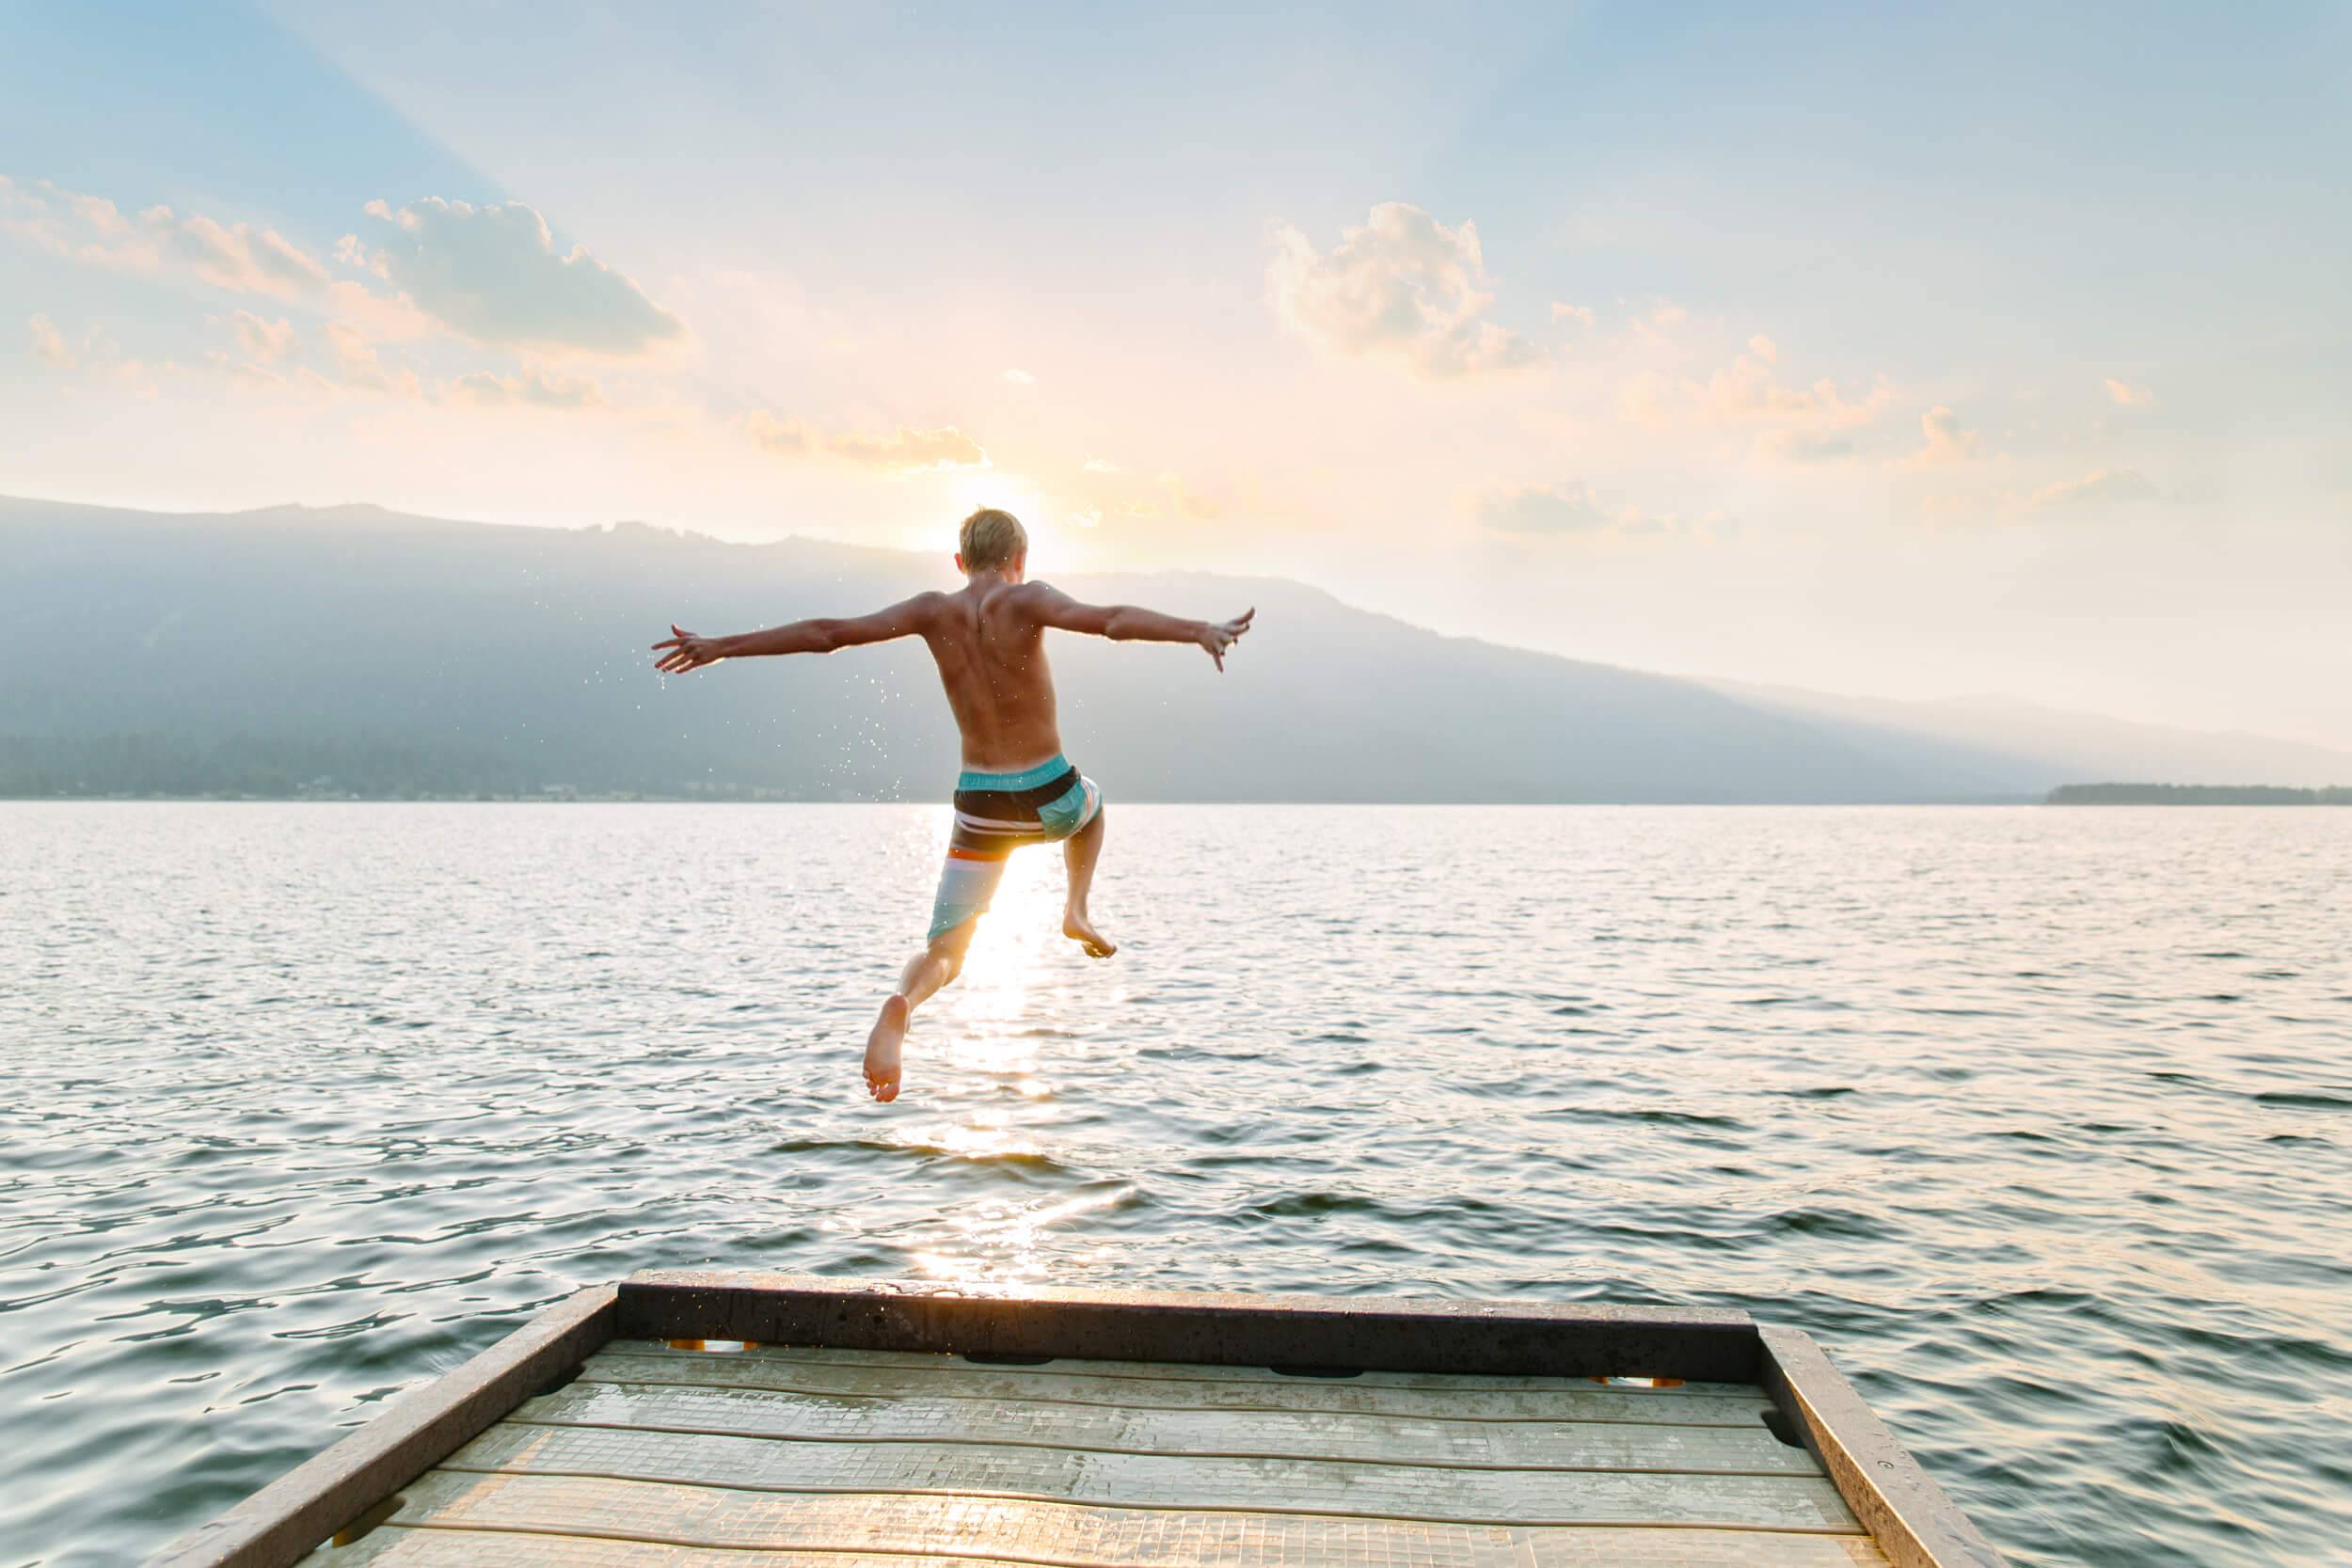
905 451
1099 465
533 387
1947 440
1748 391
247 376
50 344
1804 446
1551 509
241 258
902 452
262 340
1020 378
359 367
492 273
158 242
1581 314
1402 288
2130 396
2099 487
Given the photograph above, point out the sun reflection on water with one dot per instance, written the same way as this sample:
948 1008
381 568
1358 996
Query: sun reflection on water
990 1011
997 1242
986 1030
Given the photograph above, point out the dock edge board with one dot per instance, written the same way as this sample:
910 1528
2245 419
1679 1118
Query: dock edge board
283 1521
1917 1526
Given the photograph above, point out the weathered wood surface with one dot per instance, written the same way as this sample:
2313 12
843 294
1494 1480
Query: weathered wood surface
1458 1441
1165 1429
980 1538
743 1465
1913 1522
710 1470
1067 1384
1070 1365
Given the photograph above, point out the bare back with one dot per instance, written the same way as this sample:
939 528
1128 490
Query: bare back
990 645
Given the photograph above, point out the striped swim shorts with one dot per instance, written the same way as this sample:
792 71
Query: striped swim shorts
995 814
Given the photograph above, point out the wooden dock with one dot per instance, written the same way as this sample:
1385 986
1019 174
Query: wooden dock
722 1421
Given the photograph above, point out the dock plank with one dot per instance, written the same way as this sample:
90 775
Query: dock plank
533 1522
751 1466
1185 1372
1460 1443
1530 1399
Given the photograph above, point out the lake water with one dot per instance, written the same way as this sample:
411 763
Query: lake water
2040 1120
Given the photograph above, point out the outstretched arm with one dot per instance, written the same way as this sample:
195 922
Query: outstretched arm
1126 623
687 651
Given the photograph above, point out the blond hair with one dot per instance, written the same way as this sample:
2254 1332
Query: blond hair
991 539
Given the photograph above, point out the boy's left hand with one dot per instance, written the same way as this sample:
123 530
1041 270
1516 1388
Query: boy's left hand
687 652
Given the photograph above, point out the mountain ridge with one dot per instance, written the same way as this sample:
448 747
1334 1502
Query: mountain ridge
521 648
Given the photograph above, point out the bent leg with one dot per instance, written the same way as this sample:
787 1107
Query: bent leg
935 966
1079 852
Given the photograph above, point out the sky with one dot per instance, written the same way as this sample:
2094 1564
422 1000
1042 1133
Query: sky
1925 353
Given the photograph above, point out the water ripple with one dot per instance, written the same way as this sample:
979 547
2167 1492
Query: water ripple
2036 1118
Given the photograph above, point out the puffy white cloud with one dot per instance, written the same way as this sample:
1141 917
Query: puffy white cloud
1099 465
1402 287
50 344
261 340
1020 378
1764 349
1581 314
1549 509
492 273
901 451
2130 396
533 388
2099 487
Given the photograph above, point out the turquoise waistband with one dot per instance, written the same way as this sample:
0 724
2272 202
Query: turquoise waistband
1028 778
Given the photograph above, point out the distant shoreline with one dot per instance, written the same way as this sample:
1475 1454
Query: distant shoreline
2065 795
2196 795
723 798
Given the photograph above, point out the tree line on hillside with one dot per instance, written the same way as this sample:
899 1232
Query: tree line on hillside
265 768
2195 795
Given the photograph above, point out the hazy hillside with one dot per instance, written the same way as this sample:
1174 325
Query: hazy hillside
406 655
2081 746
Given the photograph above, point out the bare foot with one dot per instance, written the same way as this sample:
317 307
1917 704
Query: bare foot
881 1050
1078 929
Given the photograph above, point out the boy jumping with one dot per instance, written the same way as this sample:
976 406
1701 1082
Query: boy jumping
988 641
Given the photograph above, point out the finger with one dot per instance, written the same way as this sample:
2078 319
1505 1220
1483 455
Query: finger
667 642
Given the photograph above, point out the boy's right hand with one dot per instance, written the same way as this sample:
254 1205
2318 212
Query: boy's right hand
1218 635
